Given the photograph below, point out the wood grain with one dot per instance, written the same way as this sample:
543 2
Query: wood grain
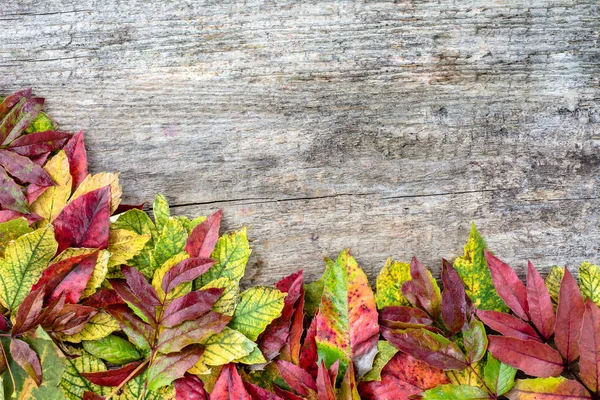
383 126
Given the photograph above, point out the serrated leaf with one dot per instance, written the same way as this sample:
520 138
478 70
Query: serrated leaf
553 281
113 349
389 284
169 243
73 384
100 326
226 346
474 272
97 181
385 352
11 230
229 298
258 306
499 377
589 281
347 327
123 245
24 260
548 389
161 212
231 255
454 392
50 203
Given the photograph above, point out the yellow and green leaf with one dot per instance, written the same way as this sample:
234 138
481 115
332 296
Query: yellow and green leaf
161 212
229 298
100 326
170 242
137 221
123 245
159 274
385 352
257 308
589 281
553 281
389 284
50 203
226 346
10 230
256 357
73 384
98 274
231 254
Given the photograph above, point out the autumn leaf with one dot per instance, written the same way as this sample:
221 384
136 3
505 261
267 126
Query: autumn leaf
73 384
113 349
11 230
40 142
548 389
100 326
499 377
569 318
139 222
553 281
258 306
226 346
52 201
98 181
508 325
474 272
454 299
389 284
190 387
27 359
231 254
161 212
589 363
113 377
169 243
203 238
75 150
541 310
509 286
168 367
454 392
229 386
385 352
123 245
589 281
422 290
227 302
11 194
533 358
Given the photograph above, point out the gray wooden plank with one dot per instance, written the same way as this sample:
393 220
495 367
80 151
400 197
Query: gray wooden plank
384 126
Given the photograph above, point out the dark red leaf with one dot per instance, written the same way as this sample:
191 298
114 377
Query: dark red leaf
569 317
8 215
12 100
113 377
189 332
139 333
229 385
324 385
121 208
420 290
185 271
27 359
140 287
19 119
84 222
400 317
41 159
69 276
297 378
533 358
589 362
24 169
102 298
92 396
29 311
277 333
508 325
77 157
454 302
3 324
203 237
508 285
71 319
287 395
53 311
540 303
38 143
190 306
148 311
308 352
190 387
257 393
11 194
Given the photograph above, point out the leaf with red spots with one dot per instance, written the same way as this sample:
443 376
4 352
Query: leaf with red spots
509 286
203 238
533 358
77 156
85 221
229 385
347 327
422 290
569 318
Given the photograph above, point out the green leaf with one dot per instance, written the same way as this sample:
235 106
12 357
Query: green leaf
589 281
161 212
547 388
389 284
170 243
101 325
231 254
113 349
190 224
553 281
258 306
226 346
256 357
41 123
11 230
73 384
229 298
385 352
454 392
137 221
474 340
312 296
474 272
499 377
24 260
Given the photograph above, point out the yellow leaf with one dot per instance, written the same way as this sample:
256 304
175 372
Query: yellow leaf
54 199
468 376
258 306
229 298
98 275
93 182
589 281
256 357
389 284
73 384
124 245
231 254
10 230
100 326
226 346
159 274
24 260
553 281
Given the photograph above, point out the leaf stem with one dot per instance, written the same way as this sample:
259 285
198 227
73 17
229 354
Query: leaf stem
12 378
131 375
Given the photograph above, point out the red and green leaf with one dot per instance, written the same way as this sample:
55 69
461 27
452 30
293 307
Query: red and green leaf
422 290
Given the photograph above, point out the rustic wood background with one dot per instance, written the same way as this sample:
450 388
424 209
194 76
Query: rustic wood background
384 126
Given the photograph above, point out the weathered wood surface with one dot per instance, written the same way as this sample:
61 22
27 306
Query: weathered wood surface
384 126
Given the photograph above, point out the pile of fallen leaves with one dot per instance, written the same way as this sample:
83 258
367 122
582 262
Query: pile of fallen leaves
100 301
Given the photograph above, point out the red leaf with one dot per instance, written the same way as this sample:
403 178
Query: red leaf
12 100
257 393
190 387
92 396
508 325
8 215
41 159
24 169
454 302
540 303
324 386
400 317
21 117
140 287
147 310
38 143
85 221
420 290
308 352
286 395
508 285
185 271
27 359
277 333
203 238
297 378
29 311
71 319
3 327
533 358
102 298
189 332
139 333
291 349
69 276
229 385
429 347
121 208
402 377
569 317
11 194
77 157
32 192
190 306
589 362
113 377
